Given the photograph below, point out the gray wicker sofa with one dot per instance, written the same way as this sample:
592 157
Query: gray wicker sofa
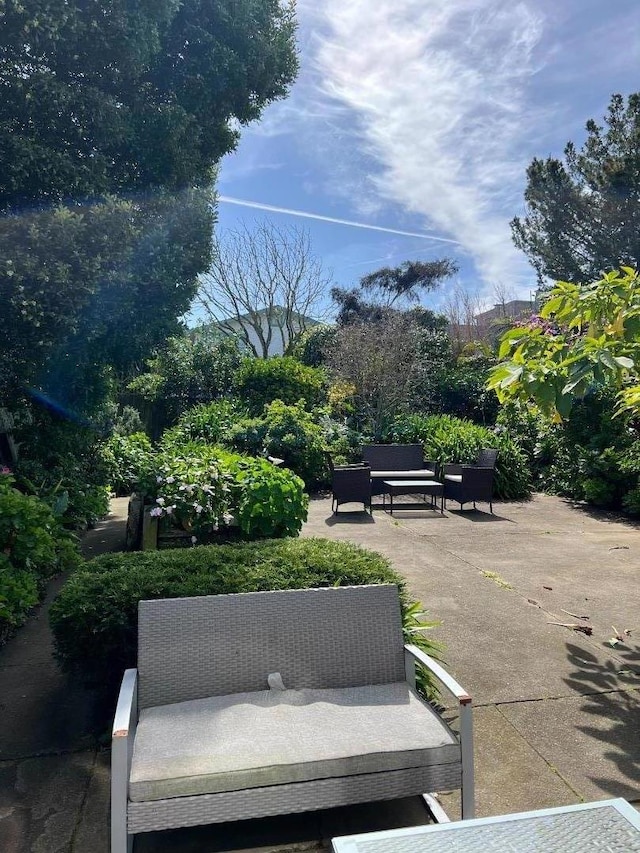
397 462
268 703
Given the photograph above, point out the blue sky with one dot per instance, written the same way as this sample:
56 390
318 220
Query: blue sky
421 116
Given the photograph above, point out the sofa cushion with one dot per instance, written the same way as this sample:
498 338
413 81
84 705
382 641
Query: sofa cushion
247 740
410 474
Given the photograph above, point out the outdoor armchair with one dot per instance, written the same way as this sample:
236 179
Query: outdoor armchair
350 484
268 703
468 483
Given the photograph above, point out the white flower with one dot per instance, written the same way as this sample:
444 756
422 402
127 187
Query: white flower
194 539
171 479
227 517
158 479
198 508
156 511
169 510
160 501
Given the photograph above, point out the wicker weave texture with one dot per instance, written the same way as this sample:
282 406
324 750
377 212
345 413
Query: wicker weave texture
286 799
591 830
190 648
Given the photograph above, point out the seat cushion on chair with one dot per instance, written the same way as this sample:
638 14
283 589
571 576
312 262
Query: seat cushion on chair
248 740
411 474
454 478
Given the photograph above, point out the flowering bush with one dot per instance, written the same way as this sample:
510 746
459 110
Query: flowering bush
204 489
130 455
191 488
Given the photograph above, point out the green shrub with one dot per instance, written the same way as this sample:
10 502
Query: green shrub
131 456
260 381
19 592
203 489
267 501
286 432
208 422
94 618
449 439
33 547
65 465
313 344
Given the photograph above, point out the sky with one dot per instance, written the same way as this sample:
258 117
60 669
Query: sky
418 118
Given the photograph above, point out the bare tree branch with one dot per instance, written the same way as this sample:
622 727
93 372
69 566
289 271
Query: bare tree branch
264 285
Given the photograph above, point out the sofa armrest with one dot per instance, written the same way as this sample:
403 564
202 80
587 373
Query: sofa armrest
466 723
451 468
122 737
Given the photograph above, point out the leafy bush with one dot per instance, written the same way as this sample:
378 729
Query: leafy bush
65 465
131 455
204 488
33 547
18 594
208 422
449 439
313 344
286 432
267 501
94 617
260 381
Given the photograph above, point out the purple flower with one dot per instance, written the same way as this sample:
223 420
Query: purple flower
156 512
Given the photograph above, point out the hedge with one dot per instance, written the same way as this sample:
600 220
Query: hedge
94 617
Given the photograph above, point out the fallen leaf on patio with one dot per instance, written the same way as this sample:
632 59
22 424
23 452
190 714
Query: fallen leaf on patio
546 587
573 626
619 638
574 615
619 548
533 601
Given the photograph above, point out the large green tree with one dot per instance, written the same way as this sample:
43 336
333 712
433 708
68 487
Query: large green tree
583 215
113 97
112 118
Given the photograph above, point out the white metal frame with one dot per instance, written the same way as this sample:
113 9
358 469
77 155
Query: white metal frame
413 654
124 730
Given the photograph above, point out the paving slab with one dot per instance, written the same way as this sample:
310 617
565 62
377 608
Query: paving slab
592 741
40 801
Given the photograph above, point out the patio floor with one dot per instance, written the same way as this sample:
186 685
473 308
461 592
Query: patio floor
556 712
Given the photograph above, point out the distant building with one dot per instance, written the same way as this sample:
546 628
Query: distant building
513 310
487 325
266 331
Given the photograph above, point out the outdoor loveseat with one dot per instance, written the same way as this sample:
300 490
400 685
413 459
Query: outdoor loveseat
397 462
267 703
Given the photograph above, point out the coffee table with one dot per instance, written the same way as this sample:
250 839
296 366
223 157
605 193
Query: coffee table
610 826
413 487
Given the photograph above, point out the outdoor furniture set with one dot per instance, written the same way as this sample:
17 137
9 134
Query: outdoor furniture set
399 469
267 703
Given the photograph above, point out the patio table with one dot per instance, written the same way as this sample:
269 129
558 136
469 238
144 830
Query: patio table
413 487
610 826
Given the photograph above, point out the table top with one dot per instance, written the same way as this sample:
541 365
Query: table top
610 826
416 483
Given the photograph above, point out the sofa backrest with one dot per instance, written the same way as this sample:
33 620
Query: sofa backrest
393 457
190 648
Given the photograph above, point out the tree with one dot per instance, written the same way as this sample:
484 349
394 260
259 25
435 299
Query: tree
92 288
583 216
101 98
379 359
586 338
390 289
265 286
185 371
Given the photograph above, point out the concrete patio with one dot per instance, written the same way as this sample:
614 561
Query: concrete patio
556 717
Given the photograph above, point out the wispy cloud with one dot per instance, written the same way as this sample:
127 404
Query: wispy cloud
436 93
305 214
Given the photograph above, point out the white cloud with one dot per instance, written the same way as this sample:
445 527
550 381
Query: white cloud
436 98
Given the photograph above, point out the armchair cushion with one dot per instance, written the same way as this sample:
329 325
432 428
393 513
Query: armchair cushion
453 478
248 740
